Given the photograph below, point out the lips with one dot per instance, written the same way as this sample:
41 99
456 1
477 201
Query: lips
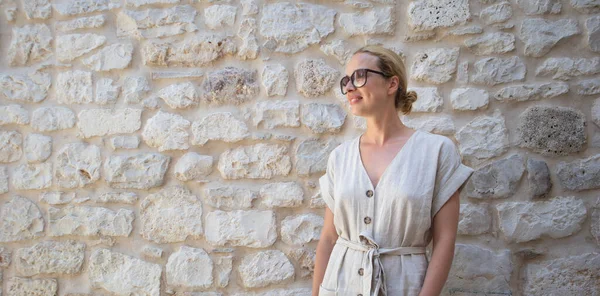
355 99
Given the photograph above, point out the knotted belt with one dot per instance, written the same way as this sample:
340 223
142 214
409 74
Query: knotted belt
374 269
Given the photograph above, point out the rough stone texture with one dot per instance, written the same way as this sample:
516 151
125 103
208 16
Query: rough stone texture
499 179
594 229
569 275
220 126
20 219
249 48
429 99
124 142
536 7
89 221
540 35
189 268
492 71
18 286
340 49
435 65
167 131
32 176
539 179
323 118
265 268
474 219
102 122
57 197
305 24
592 25
74 87
47 119
32 88
223 268
62 257
134 88
181 95
588 87
469 99
11 143
13 114
314 77
253 229
491 43
70 8
259 161
106 92
140 171
37 9
154 23
115 56
230 85
279 292
185 214
526 221
29 44
5 258
586 6
123 275
90 22
439 124
567 68
301 229
273 114
3 180
72 46
219 16
373 21
483 138
193 51
284 194
580 174
552 130
447 13
527 92
193 166
152 252
77 165
275 79
496 13
230 198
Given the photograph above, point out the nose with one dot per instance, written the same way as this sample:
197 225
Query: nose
349 86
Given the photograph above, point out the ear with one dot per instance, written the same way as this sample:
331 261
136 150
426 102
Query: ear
394 84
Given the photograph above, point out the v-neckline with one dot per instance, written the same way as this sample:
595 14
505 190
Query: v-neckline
374 187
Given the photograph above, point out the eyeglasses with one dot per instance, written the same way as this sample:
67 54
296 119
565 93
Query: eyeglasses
358 79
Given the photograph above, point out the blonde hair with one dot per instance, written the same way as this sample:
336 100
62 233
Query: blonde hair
391 64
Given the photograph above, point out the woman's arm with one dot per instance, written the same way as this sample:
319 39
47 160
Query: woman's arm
324 247
445 225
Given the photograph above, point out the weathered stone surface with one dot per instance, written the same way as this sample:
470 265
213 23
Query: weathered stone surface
592 26
469 99
305 24
189 268
11 143
273 114
323 118
47 119
586 6
230 85
195 51
134 88
28 89
435 65
184 210
123 275
63 257
116 197
265 268
536 7
301 229
312 155
223 268
229 197
220 126
154 22
102 122
3 180
152 252
474 219
499 179
283 194
594 228
37 9
29 44
567 68
552 131
314 77
446 13
526 221
249 48
181 95
483 138
193 166
5 258
219 16
13 114
74 87
20 219
89 221
258 161
528 92
429 99
538 176
166 131
140 171
439 124
72 46
496 13
124 142
77 165
57 197
32 176
596 112
17 286
114 56
139 3
70 8
572 275
90 22
540 35
249 7
278 292
373 21
588 87
253 229
491 43
580 174
275 79
106 92
477 270
492 71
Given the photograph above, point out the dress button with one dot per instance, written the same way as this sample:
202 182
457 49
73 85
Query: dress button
367 220
361 271
369 193
359 295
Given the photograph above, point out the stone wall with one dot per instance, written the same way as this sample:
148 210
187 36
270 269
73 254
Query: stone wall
157 147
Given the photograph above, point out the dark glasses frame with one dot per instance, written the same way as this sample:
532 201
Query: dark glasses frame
344 81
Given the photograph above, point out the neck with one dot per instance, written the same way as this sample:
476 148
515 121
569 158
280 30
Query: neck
385 126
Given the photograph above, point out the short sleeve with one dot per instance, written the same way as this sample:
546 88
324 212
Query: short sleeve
451 175
326 183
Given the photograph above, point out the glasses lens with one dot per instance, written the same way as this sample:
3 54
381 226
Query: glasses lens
360 77
343 84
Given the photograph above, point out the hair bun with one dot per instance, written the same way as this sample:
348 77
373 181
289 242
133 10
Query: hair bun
411 96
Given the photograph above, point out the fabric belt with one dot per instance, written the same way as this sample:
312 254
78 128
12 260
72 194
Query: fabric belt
374 272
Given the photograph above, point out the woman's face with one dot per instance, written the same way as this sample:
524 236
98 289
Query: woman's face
373 97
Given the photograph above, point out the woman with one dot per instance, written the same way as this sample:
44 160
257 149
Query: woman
389 192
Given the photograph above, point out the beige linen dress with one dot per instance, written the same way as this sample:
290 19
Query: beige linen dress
383 231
